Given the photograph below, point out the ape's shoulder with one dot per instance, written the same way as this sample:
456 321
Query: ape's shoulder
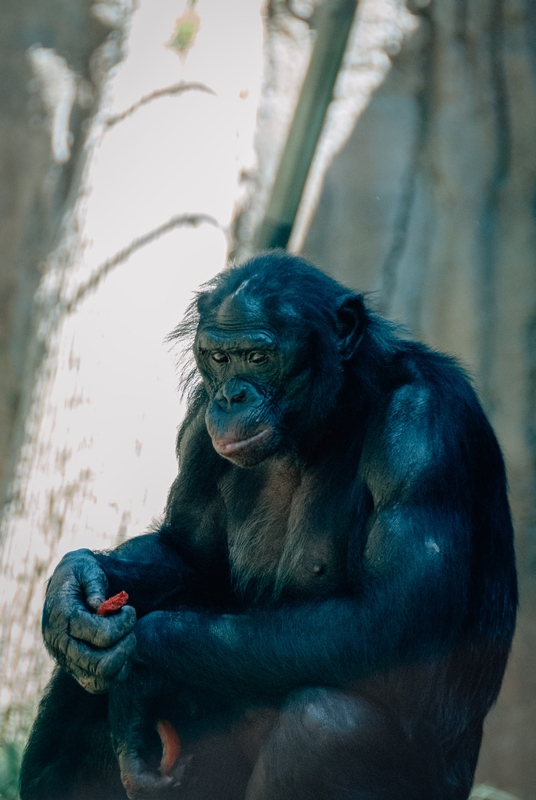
423 383
427 427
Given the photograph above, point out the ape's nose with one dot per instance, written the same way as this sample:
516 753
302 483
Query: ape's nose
232 395
236 393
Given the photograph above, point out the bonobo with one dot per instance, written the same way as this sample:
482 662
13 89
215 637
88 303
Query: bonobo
327 607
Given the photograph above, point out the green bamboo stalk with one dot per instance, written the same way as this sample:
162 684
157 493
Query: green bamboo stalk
333 24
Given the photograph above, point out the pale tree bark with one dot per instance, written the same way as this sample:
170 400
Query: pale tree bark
160 176
33 186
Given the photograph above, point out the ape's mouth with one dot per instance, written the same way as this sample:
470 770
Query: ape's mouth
230 448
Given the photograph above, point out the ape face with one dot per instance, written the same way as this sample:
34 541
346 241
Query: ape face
272 375
248 369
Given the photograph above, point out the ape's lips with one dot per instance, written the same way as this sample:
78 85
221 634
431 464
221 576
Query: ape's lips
229 448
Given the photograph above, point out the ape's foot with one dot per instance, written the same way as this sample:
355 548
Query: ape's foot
142 783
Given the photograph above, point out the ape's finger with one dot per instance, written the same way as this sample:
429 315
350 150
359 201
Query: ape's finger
95 670
83 572
139 782
101 632
103 663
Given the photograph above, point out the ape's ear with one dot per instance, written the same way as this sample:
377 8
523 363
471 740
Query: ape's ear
351 324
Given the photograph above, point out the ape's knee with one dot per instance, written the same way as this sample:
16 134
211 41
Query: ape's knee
329 714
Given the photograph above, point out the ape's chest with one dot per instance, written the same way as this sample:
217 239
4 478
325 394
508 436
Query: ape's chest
284 540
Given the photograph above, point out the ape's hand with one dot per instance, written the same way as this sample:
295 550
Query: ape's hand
132 714
93 649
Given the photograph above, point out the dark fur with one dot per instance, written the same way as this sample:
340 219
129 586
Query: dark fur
357 581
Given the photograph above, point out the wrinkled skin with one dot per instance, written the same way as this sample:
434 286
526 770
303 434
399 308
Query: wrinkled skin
327 607
93 649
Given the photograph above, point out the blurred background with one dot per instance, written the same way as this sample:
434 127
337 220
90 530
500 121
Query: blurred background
139 150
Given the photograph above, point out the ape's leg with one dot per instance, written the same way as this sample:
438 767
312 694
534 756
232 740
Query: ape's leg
224 756
328 745
213 746
69 754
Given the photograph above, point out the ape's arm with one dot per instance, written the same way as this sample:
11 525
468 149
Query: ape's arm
152 568
437 482
410 608
93 648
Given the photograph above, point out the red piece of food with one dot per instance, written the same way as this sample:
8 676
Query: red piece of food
113 604
171 745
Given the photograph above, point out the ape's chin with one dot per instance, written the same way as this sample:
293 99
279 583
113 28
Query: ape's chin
250 450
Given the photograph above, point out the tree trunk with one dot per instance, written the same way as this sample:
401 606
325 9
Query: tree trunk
33 185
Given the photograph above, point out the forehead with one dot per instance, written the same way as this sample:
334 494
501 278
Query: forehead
238 321
246 316
245 308
241 309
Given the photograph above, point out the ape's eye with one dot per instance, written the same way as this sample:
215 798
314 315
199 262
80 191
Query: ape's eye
219 357
256 357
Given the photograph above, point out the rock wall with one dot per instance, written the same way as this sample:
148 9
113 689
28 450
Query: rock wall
430 207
